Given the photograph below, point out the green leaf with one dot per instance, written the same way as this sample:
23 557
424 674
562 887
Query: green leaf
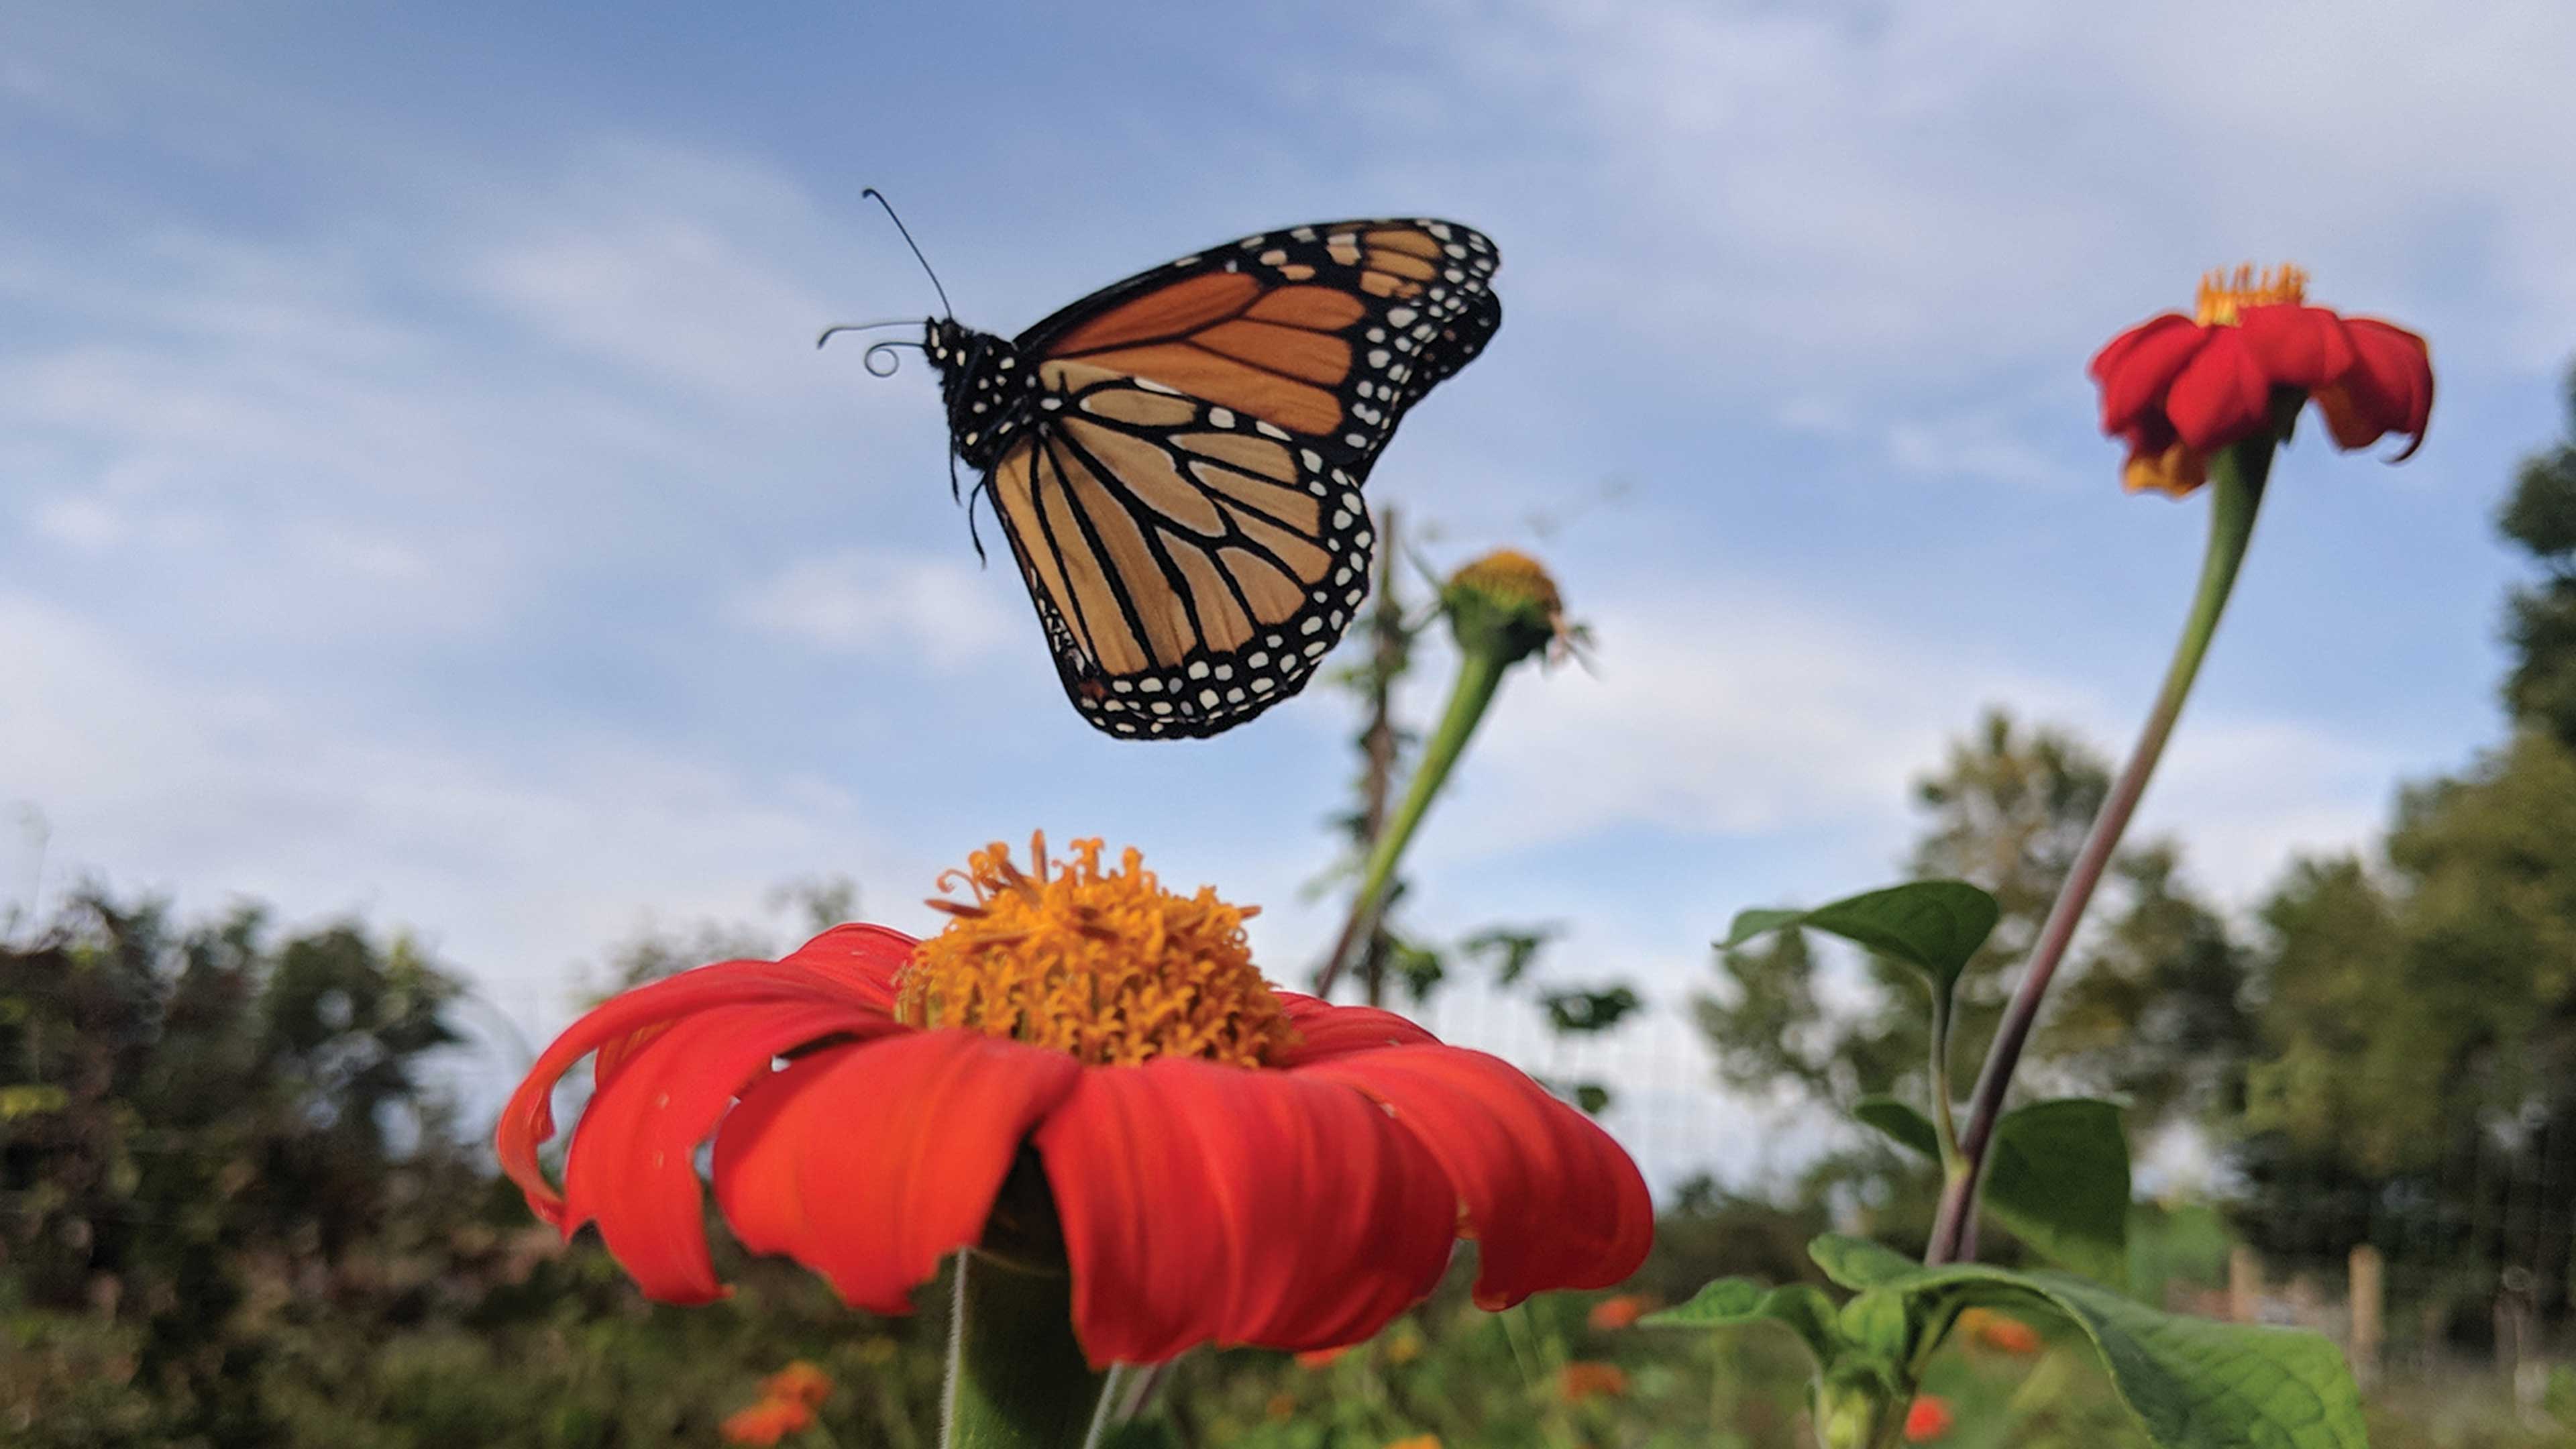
1900 1123
1722 1301
2192 1383
1588 1011
1878 1323
1859 1263
2060 1181
2060 1178
1511 951
31 1099
1802 1308
1808 1313
1932 925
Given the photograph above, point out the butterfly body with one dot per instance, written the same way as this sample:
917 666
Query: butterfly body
1176 459
988 394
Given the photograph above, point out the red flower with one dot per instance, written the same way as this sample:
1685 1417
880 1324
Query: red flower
1927 1418
800 1382
1228 1163
2010 1335
2178 389
1615 1313
766 1422
1583 1380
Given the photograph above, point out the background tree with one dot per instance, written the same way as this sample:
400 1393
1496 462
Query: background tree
207 1129
2007 811
2416 1075
2539 516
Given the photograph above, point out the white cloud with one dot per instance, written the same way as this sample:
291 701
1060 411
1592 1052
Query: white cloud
1753 710
87 524
2244 795
1943 190
1973 446
693 270
518 869
1728 709
869 601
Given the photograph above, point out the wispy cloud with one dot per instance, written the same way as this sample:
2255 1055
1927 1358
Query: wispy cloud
1761 710
1855 188
866 601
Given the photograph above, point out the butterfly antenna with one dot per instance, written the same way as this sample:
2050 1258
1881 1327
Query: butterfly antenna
838 328
879 359
916 249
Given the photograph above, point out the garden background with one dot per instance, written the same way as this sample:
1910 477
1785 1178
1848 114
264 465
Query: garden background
420 510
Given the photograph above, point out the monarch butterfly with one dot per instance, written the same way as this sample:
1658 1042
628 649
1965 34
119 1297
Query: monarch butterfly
1176 459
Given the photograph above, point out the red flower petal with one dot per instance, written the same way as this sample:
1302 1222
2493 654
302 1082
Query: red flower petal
2301 347
1325 1030
869 1163
1205 1203
856 969
2388 390
2139 364
1550 1199
633 1163
862 957
2221 395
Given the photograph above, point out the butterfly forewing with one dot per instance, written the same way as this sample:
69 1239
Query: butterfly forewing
1184 502
1329 331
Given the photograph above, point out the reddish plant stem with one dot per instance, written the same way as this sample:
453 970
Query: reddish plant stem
2236 483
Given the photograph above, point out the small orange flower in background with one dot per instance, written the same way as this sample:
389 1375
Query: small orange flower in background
1584 1380
2177 389
1927 1418
1319 1358
2011 1335
1619 1312
1418 1441
767 1422
800 1382
1229 1162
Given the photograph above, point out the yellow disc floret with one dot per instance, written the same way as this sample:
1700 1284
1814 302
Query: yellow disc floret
2223 296
1513 579
1505 606
1106 965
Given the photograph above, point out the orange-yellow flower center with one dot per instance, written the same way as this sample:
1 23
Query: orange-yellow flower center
2223 294
1106 965
1513 579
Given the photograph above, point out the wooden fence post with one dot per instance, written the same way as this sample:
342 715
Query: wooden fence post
2367 1297
2244 1284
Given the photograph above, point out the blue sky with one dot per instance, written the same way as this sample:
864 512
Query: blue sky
419 495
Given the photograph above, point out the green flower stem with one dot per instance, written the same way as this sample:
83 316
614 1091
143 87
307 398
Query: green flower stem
2236 478
1480 673
1016 1378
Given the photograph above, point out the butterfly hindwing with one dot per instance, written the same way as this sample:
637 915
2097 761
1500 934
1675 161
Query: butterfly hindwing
1190 565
